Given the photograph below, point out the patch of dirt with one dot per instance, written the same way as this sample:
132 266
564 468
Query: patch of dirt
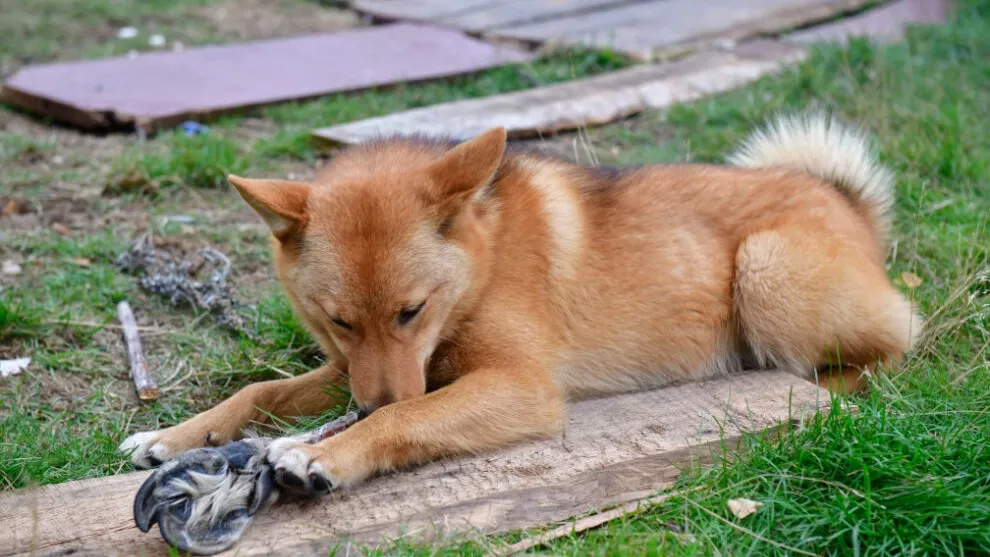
66 141
258 19
64 391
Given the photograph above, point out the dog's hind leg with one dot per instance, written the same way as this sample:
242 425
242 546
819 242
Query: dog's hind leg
810 300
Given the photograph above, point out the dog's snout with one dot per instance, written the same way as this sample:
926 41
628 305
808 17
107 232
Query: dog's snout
364 411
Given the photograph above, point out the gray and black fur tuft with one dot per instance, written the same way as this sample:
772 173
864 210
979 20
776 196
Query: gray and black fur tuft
205 499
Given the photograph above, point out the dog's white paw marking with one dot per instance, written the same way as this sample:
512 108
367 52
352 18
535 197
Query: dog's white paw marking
295 469
148 451
285 454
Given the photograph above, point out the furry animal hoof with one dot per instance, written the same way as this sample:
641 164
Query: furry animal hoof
206 498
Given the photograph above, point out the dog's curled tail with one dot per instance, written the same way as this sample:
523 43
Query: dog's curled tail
822 147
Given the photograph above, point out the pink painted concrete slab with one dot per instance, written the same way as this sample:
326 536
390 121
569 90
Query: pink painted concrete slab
156 90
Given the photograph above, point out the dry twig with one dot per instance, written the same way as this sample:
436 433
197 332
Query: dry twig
143 381
586 523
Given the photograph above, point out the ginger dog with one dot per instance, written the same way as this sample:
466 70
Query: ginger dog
465 292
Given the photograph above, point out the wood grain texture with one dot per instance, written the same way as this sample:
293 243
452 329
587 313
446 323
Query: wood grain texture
584 102
614 450
647 30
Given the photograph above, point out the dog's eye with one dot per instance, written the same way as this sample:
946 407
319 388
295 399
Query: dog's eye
410 313
341 323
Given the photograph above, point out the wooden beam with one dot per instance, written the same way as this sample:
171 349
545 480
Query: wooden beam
659 28
516 12
614 450
579 103
885 23
417 10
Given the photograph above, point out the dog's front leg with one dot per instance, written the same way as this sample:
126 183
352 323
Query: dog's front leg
484 410
303 395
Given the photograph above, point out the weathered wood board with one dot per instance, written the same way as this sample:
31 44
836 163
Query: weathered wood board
584 102
500 15
161 89
614 450
417 10
884 23
648 30
644 29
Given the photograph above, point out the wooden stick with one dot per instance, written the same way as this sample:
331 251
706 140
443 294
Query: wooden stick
586 523
146 387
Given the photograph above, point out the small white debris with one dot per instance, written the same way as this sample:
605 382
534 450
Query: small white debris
127 33
685 538
726 44
743 507
13 367
10 267
177 46
157 41
180 219
58 160
132 54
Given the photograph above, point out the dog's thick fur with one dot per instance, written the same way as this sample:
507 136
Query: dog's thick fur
465 292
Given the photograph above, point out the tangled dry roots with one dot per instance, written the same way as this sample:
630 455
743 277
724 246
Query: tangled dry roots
199 281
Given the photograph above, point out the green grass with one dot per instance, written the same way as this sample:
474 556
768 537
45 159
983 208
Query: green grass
907 473
47 29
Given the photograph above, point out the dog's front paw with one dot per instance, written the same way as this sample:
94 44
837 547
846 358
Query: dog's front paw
312 469
148 449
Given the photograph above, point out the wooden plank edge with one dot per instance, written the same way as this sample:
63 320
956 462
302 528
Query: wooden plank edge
764 56
882 23
580 525
769 24
381 13
517 19
54 110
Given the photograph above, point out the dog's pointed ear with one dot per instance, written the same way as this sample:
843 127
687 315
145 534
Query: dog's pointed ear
281 203
469 167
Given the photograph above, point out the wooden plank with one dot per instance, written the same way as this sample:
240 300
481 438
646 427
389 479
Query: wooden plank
884 23
561 27
644 30
161 89
516 12
418 10
585 102
614 450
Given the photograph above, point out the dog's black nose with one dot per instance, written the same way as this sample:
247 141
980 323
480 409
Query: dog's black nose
364 411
